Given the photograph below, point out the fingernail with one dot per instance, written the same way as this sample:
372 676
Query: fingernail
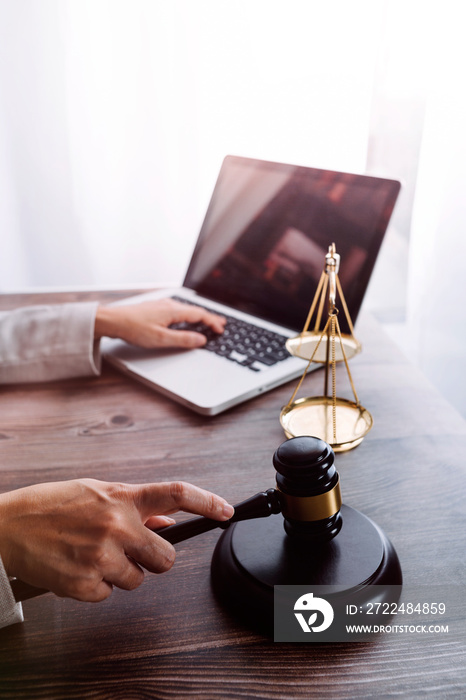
228 510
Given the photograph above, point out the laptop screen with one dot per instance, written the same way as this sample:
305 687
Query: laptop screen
267 230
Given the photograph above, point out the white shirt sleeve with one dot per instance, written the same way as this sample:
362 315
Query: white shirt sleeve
10 610
42 343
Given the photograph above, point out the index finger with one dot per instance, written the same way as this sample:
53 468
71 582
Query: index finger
169 497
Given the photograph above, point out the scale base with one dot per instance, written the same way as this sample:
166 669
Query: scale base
253 556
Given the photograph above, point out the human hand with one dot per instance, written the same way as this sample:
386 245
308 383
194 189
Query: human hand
147 324
79 538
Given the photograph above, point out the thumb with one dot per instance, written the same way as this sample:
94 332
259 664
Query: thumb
158 522
170 337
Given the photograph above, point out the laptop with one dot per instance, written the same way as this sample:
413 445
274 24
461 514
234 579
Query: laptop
257 261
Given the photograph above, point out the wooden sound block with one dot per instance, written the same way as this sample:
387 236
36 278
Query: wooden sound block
252 557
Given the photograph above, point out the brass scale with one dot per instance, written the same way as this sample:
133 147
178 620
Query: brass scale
342 423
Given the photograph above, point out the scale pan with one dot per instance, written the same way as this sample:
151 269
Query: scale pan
314 416
304 344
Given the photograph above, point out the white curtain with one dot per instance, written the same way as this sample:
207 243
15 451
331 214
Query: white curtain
115 116
436 297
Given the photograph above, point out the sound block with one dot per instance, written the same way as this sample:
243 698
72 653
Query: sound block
253 556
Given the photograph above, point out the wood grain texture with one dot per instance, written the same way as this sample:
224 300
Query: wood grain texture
170 638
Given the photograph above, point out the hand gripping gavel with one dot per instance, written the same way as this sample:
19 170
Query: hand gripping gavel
307 494
319 540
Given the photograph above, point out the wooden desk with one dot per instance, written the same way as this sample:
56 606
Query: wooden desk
170 638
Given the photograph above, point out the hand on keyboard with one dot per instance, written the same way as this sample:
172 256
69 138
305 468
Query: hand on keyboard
242 342
151 324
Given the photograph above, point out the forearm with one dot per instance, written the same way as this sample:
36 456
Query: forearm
43 343
107 322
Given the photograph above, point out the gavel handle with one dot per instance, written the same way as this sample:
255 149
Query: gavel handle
259 506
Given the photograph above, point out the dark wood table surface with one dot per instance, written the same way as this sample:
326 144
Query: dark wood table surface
170 638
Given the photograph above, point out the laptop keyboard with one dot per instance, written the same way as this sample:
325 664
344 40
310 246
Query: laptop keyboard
241 342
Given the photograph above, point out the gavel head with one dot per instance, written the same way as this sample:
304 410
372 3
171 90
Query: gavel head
309 488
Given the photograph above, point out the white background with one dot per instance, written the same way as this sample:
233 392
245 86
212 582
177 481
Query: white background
115 116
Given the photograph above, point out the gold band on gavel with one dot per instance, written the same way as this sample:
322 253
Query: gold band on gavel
309 508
